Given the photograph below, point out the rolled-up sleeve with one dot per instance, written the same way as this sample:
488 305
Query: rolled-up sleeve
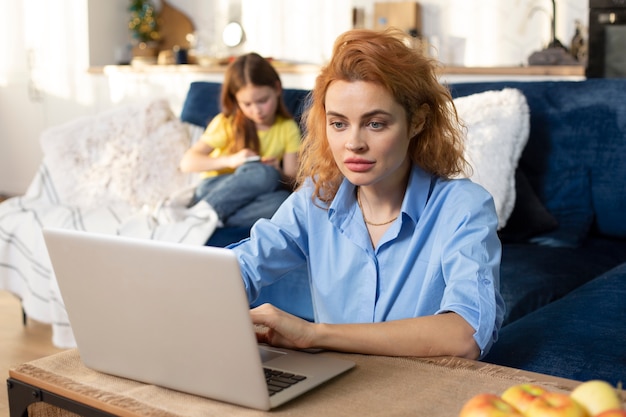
470 263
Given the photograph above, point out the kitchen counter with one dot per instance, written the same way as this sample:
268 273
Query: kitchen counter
287 68
303 75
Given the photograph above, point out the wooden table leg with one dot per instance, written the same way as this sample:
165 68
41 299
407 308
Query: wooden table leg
21 395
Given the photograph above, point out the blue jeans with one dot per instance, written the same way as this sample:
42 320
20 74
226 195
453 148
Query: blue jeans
252 192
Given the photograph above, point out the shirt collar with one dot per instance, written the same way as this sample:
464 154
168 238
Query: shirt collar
344 206
417 193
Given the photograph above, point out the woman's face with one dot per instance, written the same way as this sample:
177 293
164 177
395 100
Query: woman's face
258 103
367 133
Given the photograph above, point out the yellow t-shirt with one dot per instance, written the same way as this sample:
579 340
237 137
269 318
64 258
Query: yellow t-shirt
283 137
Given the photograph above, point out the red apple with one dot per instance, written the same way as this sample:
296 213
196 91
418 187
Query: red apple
555 404
488 405
520 396
617 412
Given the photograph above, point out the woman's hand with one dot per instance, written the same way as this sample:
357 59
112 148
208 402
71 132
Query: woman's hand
278 328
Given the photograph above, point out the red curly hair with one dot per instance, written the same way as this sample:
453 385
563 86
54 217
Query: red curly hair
386 58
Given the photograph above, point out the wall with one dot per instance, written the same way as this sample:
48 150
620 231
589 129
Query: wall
487 33
300 30
461 32
43 79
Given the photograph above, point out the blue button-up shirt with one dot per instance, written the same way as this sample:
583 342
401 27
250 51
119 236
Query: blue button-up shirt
442 254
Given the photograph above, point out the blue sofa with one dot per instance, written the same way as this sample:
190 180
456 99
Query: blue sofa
563 272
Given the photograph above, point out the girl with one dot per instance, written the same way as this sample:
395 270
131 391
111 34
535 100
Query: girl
248 153
402 259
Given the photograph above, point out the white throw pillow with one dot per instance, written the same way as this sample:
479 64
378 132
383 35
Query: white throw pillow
127 155
498 124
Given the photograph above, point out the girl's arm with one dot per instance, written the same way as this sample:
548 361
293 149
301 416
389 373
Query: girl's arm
290 167
197 159
436 335
290 164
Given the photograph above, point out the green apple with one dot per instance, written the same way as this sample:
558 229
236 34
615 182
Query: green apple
488 405
520 396
596 396
555 404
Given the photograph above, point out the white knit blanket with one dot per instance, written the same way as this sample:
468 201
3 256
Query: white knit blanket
111 173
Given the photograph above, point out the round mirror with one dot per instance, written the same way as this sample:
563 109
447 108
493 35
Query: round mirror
233 34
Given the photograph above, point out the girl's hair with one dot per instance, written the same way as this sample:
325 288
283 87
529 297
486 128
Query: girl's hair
249 69
386 58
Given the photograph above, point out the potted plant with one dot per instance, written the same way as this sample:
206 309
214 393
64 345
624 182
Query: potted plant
144 27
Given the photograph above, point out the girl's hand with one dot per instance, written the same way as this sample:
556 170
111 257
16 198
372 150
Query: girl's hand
281 329
271 161
239 158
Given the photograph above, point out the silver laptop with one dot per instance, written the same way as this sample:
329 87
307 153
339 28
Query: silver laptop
176 316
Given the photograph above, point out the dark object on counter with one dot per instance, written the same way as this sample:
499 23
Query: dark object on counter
556 55
180 55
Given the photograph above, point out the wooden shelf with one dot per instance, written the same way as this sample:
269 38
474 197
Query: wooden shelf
560 70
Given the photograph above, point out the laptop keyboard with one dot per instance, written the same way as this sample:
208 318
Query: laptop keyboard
279 380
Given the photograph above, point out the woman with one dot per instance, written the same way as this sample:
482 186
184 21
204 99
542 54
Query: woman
402 259
254 125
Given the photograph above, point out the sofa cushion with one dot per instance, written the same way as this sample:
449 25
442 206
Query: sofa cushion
529 217
576 127
579 336
532 276
202 102
570 202
497 124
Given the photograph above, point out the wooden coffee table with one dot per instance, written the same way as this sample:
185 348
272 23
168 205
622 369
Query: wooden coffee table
61 384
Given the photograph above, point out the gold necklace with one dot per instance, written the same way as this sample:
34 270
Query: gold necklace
358 200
